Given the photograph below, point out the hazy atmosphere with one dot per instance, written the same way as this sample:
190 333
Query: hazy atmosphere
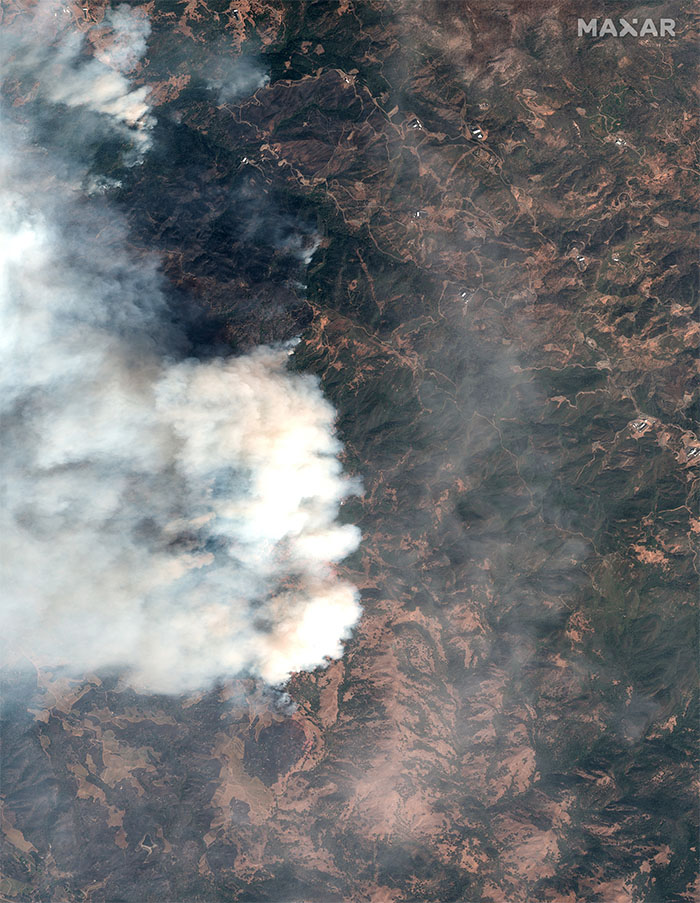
166 515
349 452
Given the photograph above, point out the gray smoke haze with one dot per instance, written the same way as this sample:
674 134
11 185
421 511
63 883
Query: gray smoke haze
237 78
166 516
50 54
127 30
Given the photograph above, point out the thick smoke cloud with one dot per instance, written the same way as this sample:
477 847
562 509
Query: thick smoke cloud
166 516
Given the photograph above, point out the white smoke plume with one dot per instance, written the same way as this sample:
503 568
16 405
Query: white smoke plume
168 517
236 78
44 48
126 31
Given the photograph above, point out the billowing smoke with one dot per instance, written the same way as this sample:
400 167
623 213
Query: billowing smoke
46 53
169 517
235 79
126 32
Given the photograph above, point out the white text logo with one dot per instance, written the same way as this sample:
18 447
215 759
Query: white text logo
621 28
